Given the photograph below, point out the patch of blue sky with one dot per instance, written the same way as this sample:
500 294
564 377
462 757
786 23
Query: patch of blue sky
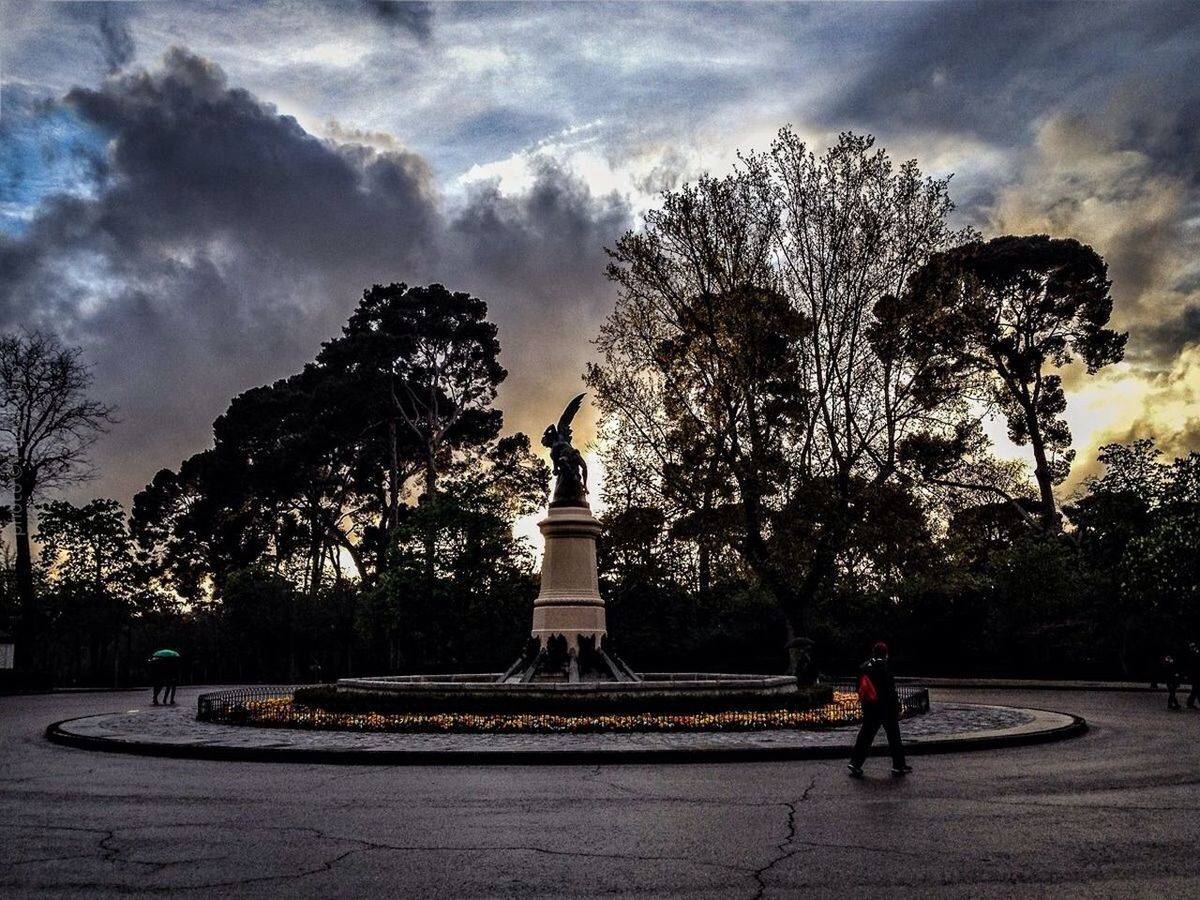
45 150
494 134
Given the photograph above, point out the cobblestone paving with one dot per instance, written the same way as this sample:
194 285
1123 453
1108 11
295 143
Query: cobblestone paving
177 725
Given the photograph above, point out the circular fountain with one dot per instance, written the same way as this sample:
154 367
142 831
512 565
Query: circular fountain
568 666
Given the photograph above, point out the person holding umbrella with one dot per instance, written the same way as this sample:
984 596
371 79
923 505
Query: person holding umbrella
164 675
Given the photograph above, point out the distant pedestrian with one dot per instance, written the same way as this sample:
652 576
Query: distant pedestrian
880 706
164 675
1193 674
1170 676
172 680
157 676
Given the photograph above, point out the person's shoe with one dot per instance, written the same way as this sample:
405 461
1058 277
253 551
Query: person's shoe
155 702
855 771
902 770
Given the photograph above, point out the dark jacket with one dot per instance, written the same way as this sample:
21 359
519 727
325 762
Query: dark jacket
880 674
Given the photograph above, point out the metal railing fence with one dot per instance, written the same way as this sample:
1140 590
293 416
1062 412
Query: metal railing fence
230 706
914 699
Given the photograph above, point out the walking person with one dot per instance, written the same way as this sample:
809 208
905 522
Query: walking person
157 676
164 674
880 706
1170 675
171 680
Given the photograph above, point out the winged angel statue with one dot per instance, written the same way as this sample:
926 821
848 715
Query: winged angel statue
570 486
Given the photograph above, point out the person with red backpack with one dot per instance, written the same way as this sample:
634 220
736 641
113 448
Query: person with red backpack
880 706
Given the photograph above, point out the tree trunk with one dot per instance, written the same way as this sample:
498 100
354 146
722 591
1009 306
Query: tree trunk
1045 482
316 549
430 534
792 602
795 601
795 607
705 547
393 477
23 651
291 638
705 566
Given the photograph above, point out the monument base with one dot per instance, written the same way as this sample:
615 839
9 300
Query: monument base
569 602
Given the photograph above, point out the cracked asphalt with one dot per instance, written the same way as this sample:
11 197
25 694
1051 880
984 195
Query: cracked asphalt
1115 813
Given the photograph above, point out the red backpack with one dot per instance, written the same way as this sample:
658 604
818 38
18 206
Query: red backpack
866 689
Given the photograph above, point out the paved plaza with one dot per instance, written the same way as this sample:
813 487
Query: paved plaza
1111 813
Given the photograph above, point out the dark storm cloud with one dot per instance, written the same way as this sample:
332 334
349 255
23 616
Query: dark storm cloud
116 40
990 68
1096 110
416 18
113 37
540 255
198 159
1166 339
221 243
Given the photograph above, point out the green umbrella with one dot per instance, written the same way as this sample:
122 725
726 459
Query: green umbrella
165 654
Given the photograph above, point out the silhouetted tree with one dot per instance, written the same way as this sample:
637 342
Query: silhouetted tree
428 358
474 609
1137 525
742 356
1120 505
47 425
87 556
326 466
308 465
195 527
1018 309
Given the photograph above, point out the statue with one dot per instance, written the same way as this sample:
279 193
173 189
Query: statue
570 471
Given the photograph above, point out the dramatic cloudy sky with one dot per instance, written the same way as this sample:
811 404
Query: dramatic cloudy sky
197 193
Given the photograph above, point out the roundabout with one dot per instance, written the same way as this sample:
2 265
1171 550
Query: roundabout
950 727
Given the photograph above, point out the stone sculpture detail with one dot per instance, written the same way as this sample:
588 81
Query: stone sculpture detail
570 470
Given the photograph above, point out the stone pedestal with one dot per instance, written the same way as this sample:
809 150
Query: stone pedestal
569 600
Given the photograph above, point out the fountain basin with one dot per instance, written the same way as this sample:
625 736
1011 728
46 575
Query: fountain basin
655 692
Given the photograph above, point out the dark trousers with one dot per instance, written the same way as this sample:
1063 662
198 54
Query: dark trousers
873 717
1194 696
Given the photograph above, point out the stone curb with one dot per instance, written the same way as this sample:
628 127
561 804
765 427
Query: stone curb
1018 684
1019 736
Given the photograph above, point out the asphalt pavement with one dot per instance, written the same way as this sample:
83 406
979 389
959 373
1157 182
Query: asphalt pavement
1114 813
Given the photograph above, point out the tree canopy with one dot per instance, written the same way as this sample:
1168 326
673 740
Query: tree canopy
1020 309
321 477
745 363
